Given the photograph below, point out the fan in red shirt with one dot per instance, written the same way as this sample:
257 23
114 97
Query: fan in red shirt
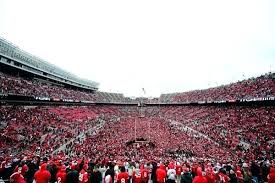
83 176
137 176
144 174
239 174
17 178
161 174
42 175
210 175
61 175
271 176
122 177
199 178
22 169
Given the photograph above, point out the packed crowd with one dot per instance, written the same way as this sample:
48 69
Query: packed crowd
43 129
201 135
37 88
247 131
157 139
259 87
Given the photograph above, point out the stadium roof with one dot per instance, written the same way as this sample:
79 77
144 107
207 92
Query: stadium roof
14 52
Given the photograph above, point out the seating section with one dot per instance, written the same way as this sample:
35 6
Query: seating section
259 87
27 129
225 132
234 128
38 88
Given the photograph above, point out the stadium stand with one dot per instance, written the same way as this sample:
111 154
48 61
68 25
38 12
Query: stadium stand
215 135
46 128
229 126
20 86
12 56
36 88
260 87
248 130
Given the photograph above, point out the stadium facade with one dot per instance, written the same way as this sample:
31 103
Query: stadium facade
13 56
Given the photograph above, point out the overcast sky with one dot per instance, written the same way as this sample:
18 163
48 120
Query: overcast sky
162 46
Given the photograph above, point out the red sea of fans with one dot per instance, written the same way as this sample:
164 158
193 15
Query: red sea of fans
10 84
235 128
129 144
259 87
28 133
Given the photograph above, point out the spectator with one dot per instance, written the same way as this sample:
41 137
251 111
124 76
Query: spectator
271 176
42 175
171 174
72 175
122 177
144 174
233 177
161 174
96 176
17 178
199 178
255 172
247 177
61 175
186 176
110 172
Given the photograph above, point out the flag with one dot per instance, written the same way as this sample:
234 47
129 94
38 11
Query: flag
144 91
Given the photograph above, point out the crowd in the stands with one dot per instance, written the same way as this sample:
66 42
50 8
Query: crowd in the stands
43 129
20 86
259 87
248 131
244 131
44 89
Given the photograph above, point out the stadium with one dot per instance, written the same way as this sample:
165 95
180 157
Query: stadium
57 127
